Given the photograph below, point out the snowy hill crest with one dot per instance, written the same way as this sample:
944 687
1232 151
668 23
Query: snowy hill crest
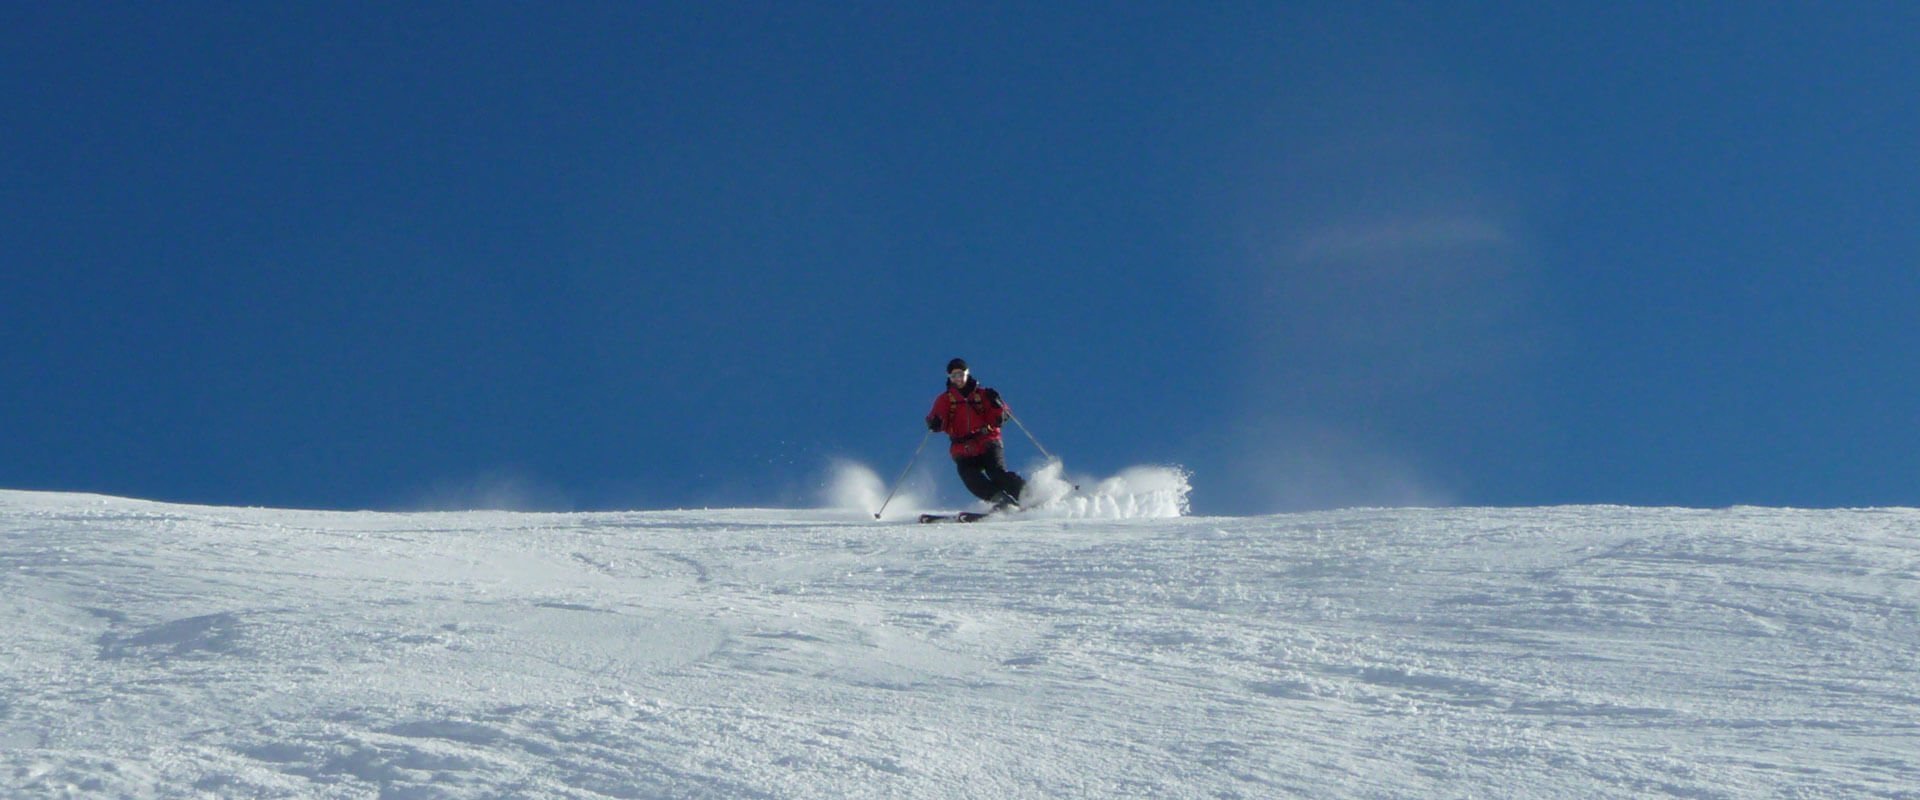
172 652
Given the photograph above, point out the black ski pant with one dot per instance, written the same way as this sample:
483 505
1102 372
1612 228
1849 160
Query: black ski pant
986 475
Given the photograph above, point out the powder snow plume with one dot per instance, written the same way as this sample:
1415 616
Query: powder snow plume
855 487
1137 492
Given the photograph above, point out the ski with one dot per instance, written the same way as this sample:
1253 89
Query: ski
964 516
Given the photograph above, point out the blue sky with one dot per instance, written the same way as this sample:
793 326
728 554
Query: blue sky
647 255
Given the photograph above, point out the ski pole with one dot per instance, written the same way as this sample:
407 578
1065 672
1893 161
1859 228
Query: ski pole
1023 429
1036 442
903 473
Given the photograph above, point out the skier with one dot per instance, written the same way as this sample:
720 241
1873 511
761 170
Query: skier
971 415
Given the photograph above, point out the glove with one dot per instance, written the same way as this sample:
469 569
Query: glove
993 396
933 423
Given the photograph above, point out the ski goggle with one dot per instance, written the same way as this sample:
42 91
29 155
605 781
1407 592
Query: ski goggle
961 373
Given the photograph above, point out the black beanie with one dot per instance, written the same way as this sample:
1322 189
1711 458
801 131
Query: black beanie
958 363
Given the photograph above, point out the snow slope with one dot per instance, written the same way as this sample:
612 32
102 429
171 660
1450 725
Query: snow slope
167 651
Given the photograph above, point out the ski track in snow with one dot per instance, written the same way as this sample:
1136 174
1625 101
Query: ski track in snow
160 651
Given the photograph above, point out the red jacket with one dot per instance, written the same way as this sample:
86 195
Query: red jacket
971 415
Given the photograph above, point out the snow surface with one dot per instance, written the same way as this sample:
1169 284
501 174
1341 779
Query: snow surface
169 651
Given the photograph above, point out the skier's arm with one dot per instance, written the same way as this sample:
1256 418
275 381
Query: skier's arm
936 419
